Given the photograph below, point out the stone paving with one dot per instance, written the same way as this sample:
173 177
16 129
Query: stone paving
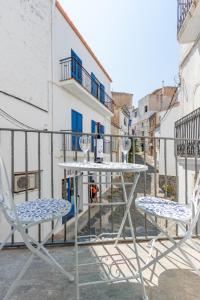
170 279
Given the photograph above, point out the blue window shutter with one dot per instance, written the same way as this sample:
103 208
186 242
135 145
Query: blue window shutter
74 129
94 86
76 67
93 126
93 130
79 122
102 93
77 126
102 129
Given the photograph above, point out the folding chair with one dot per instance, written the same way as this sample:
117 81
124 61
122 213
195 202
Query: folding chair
28 214
184 216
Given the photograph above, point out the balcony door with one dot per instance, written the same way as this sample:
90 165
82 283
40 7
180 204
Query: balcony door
76 67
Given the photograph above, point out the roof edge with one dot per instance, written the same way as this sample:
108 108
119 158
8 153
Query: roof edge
71 24
122 93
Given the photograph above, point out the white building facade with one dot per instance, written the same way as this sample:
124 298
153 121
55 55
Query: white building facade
50 80
189 94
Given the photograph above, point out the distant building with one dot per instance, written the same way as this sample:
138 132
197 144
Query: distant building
146 116
134 121
123 104
120 123
154 123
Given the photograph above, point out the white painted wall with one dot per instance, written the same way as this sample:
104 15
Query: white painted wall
167 131
189 93
25 50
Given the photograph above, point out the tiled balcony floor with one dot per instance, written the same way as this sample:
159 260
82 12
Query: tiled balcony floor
171 279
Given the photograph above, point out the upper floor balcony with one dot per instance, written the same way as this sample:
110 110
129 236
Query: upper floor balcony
76 79
187 131
188 20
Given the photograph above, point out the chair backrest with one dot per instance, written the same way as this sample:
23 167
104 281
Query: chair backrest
195 200
6 198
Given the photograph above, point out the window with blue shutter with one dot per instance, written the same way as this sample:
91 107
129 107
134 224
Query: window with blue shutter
102 129
94 86
76 67
102 93
77 126
93 130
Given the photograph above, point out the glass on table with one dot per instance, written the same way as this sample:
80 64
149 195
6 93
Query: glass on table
85 144
126 146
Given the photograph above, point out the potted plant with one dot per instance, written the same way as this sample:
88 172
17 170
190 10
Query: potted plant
168 189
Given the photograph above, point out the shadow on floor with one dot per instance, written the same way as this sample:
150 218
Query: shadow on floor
171 281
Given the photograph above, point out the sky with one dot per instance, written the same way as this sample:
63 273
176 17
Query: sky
135 40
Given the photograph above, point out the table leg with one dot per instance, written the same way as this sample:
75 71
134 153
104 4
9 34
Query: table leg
127 213
128 203
76 236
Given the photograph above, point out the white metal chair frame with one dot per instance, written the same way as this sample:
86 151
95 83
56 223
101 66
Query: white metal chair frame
37 248
188 227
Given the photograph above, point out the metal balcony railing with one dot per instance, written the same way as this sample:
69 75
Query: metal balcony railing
182 11
71 68
26 151
188 130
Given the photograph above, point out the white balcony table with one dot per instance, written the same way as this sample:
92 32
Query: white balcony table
110 167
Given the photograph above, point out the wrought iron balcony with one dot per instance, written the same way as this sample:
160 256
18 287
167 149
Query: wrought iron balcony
183 9
188 130
72 69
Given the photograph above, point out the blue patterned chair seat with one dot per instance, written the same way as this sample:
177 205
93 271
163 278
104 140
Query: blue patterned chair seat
41 210
164 208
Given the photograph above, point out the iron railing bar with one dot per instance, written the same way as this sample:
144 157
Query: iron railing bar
26 166
196 174
111 198
65 180
155 171
94 134
165 168
39 180
52 182
100 202
177 178
12 172
89 196
145 177
145 187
